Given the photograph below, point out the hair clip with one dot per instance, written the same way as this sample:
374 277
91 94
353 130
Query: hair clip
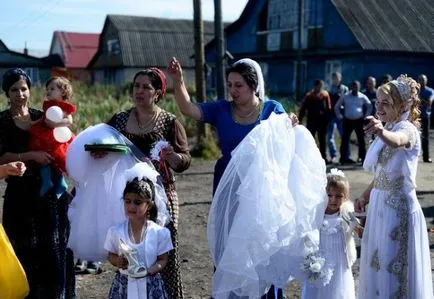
335 171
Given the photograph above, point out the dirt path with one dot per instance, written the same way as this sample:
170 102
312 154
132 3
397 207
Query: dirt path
194 187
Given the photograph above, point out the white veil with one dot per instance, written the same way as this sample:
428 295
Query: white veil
271 196
99 183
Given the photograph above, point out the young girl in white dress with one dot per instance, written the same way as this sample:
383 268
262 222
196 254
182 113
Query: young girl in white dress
140 233
395 257
337 244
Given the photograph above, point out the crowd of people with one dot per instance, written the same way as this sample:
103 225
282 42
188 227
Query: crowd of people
343 110
265 221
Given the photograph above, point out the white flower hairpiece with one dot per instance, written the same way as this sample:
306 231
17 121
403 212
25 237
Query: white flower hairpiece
335 171
156 150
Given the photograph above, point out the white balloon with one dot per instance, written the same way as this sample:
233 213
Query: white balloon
62 134
54 113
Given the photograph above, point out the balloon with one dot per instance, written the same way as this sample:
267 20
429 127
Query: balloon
54 113
62 134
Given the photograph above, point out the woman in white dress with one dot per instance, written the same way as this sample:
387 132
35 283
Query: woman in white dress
337 244
395 259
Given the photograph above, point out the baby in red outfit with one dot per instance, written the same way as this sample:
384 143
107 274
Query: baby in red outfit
42 137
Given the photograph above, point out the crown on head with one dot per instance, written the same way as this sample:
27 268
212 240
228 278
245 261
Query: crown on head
403 88
335 171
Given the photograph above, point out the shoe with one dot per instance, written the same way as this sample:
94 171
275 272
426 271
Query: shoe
429 160
93 268
348 161
80 266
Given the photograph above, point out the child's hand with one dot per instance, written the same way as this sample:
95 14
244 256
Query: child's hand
294 119
360 204
122 262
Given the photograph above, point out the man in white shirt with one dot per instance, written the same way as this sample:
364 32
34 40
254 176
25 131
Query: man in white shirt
357 106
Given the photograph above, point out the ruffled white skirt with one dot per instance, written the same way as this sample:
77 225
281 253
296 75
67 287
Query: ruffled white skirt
271 195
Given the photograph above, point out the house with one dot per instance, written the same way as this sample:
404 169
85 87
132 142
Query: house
76 51
354 37
39 69
131 43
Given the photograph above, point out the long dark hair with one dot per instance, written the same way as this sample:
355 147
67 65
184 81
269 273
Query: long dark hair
146 190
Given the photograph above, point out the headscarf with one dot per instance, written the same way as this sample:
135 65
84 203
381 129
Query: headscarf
162 77
260 89
12 76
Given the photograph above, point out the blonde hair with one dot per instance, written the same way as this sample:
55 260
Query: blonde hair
389 89
340 183
65 86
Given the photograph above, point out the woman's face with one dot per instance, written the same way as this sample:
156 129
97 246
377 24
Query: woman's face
19 93
386 111
135 206
239 90
144 94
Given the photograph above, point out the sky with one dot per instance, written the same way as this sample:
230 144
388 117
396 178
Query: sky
32 22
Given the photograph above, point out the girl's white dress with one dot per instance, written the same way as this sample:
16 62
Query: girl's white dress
156 242
395 258
338 248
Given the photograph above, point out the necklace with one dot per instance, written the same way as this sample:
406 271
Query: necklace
149 122
142 233
255 109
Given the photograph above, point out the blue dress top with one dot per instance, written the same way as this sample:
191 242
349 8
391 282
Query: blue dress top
230 133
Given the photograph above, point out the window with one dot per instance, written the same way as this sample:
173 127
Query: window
33 74
273 41
303 77
113 46
331 67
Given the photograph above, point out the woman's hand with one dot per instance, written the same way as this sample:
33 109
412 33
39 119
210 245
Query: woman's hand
40 157
12 169
174 70
173 158
98 154
373 126
293 118
360 205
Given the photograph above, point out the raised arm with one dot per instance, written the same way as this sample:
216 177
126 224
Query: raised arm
182 97
392 139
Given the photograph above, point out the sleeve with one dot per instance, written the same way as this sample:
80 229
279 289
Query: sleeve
3 138
164 241
178 139
338 107
211 111
368 104
410 131
111 243
328 101
278 109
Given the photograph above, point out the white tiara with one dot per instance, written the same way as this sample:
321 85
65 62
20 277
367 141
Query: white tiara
404 90
335 171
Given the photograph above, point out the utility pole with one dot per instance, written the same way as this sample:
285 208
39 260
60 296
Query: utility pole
300 49
220 49
199 56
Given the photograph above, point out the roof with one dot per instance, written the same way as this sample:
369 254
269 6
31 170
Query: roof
390 25
149 41
77 48
10 58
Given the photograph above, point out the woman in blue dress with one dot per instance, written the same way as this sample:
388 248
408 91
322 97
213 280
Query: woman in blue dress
232 118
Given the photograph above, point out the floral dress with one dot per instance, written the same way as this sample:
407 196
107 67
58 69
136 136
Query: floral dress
395 258
168 128
37 227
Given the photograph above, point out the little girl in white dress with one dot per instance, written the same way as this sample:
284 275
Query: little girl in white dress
337 244
139 246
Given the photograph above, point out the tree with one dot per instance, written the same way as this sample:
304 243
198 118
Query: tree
220 49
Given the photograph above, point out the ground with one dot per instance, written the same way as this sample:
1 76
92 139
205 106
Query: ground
194 188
